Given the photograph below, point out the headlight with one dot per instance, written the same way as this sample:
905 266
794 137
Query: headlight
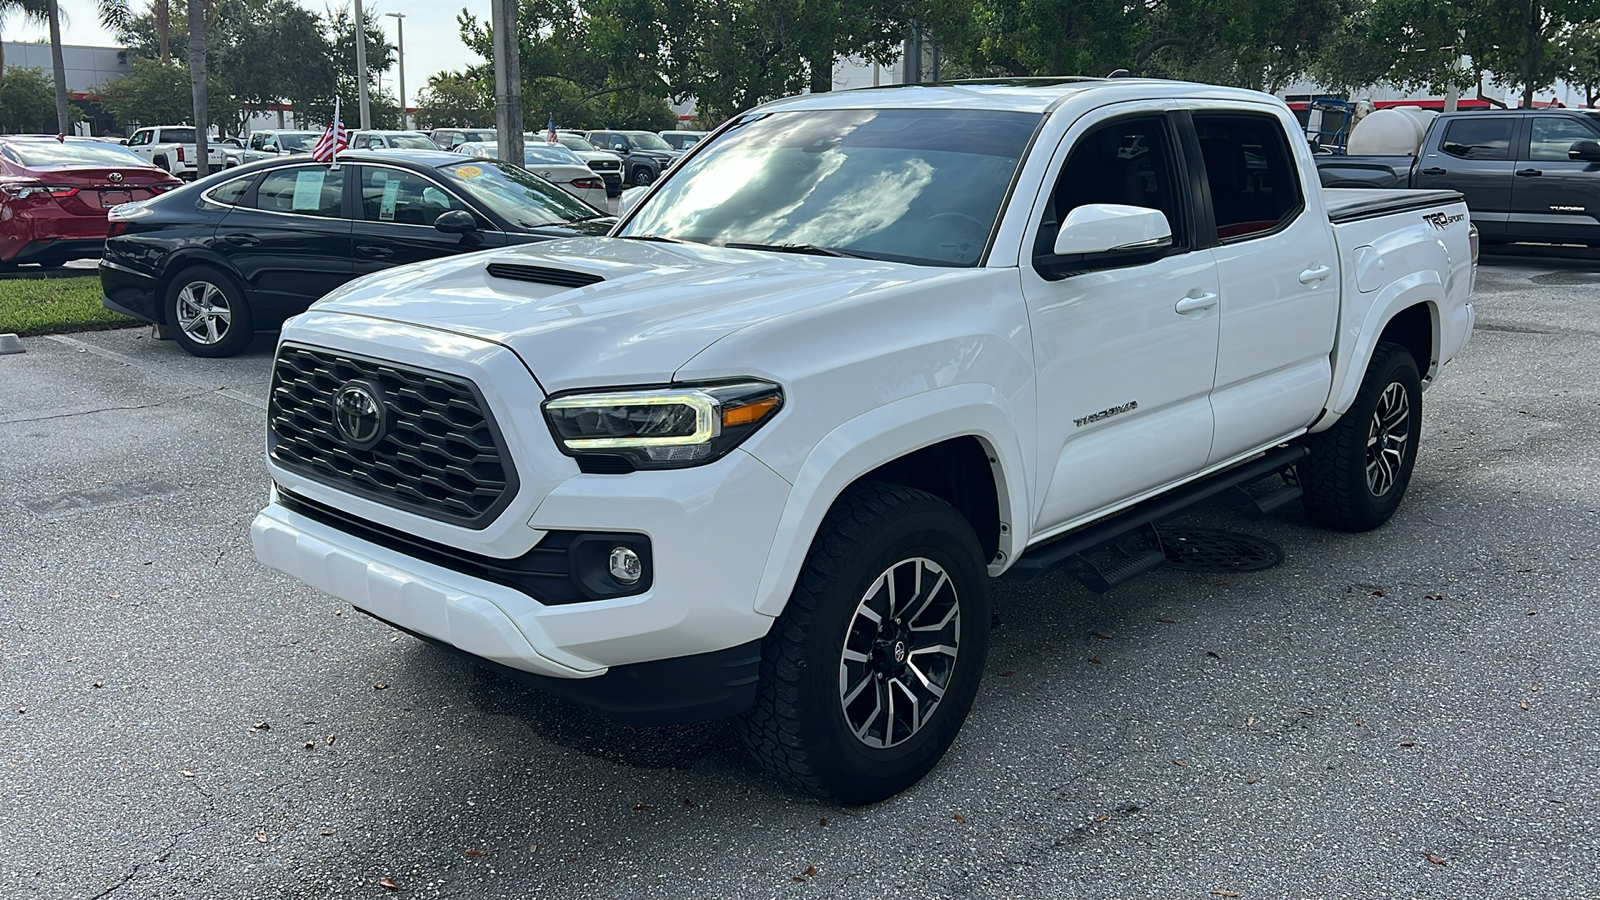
666 428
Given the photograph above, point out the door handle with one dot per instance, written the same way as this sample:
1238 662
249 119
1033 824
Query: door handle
242 240
374 251
1314 275
1529 173
1195 304
1433 170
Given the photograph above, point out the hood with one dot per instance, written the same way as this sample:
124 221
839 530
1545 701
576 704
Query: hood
652 306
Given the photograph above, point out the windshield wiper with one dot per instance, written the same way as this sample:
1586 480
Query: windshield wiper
809 249
650 237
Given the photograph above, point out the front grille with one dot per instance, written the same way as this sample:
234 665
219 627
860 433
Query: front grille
605 165
439 454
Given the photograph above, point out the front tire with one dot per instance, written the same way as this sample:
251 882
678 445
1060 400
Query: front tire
208 313
869 673
643 176
1359 469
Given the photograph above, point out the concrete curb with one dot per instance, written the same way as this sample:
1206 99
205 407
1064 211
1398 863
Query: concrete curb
10 343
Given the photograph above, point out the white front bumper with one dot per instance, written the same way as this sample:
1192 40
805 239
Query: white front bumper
710 528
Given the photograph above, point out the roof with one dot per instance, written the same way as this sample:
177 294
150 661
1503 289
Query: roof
1035 95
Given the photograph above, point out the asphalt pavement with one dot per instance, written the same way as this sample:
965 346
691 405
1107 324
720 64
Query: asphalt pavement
1406 713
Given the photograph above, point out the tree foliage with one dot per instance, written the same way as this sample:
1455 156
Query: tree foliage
454 100
28 103
157 93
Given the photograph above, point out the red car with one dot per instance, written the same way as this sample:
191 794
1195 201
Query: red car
54 196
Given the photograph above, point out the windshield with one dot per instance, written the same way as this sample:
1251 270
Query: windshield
646 140
574 142
87 153
549 155
302 141
913 185
517 195
412 142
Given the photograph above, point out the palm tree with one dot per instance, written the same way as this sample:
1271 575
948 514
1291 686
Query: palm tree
117 16
32 10
53 12
197 79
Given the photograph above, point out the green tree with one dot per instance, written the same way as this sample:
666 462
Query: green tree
27 103
340 30
157 93
1579 60
118 17
276 52
454 100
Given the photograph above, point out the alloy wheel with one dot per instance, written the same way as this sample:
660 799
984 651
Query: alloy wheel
1387 438
899 652
204 313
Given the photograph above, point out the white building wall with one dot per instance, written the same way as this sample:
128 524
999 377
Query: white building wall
86 67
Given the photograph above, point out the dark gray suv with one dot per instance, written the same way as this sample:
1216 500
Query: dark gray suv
644 154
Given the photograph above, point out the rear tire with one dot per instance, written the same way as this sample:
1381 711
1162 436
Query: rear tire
1359 469
869 673
208 313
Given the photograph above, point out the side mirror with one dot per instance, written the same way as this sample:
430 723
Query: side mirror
619 147
1106 235
1112 228
1584 151
456 221
629 199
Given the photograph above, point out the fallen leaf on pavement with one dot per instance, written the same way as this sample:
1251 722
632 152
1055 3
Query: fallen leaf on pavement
1181 762
810 871
188 774
1212 654
1007 673
1523 704
823 822
261 726
1251 780
1408 743
327 833
1099 636
642 807
1096 660
261 836
388 883
1436 859
474 854
1168 621
960 818
380 685
99 684
330 739
1102 817
1222 893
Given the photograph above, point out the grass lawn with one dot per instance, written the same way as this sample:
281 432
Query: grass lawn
55 305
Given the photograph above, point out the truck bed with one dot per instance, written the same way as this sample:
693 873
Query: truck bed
1352 204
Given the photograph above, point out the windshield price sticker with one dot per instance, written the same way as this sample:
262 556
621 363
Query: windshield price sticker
391 192
308 190
469 172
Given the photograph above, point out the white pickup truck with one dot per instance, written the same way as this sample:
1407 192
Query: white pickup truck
173 148
759 451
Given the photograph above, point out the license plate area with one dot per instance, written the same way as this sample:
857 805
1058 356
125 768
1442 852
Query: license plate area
109 199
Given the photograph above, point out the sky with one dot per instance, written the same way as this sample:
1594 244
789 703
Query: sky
433 39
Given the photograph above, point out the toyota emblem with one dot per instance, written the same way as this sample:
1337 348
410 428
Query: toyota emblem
358 414
116 177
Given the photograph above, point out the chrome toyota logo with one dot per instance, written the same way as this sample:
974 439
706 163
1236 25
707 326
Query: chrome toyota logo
116 177
358 414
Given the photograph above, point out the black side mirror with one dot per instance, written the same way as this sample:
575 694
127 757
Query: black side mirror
456 221
1585 151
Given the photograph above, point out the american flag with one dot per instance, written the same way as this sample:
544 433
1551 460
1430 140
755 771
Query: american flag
333 140
550 129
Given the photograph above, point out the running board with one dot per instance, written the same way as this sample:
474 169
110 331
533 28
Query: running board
1260 506
1074 551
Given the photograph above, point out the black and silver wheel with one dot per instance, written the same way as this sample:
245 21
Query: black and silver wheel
208 313
869 673
1359 469
643 176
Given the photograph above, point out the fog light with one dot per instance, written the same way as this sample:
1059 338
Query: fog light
625 565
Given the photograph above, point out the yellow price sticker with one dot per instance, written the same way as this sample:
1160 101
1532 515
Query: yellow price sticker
469 172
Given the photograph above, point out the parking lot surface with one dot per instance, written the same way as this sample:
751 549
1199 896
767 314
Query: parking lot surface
1410 712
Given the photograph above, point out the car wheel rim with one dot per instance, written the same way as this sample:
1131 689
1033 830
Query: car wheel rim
899 652
1387 438
203 312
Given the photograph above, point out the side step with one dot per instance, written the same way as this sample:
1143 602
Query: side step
1130 538
1263 505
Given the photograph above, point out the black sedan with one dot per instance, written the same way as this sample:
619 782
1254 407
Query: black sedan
218 260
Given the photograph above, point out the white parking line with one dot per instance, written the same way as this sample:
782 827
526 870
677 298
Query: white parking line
112 355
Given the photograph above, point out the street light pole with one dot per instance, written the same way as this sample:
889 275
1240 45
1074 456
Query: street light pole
361 67
400 23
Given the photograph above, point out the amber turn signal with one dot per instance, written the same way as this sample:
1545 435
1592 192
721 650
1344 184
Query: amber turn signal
748 414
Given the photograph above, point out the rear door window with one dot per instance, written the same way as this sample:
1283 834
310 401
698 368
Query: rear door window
1488 137
232 193
303 190
1255 187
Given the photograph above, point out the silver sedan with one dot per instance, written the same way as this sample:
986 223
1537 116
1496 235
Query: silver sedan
555 164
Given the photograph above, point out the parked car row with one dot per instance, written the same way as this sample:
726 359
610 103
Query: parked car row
242 250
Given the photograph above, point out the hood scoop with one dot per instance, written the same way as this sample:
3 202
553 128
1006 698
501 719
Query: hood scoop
542 275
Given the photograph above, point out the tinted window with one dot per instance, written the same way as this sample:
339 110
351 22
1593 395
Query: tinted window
411 142
516 194
234 191
648 141
177 135
72 153
305 190
298 142
1254 182
914 185
405 198
1128 162
1553 136
1488 137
